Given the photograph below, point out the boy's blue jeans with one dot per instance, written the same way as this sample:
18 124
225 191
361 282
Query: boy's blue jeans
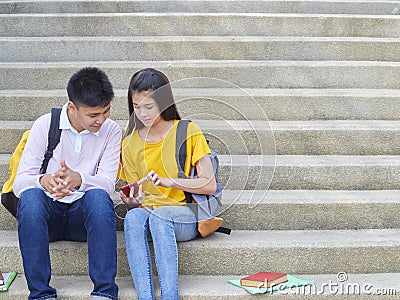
166 225
42 220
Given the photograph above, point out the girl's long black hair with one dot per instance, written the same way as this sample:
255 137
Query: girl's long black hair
155 81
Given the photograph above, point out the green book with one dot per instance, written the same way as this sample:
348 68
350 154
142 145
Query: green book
8 279
291 283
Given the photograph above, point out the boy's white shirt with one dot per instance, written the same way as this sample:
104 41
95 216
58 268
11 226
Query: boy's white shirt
78 141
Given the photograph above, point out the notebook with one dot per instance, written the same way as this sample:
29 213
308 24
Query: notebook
8 279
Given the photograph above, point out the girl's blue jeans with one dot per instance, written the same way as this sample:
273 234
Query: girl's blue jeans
91 218
166 225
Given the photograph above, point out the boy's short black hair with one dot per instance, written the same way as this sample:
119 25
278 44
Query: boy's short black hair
90 87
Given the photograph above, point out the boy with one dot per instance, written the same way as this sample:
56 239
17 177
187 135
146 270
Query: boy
72 200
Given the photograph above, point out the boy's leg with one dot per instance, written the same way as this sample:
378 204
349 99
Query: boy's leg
95 211
34 213
169 224
138 252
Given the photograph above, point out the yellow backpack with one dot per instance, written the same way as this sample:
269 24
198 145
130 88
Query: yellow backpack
14 162
8 198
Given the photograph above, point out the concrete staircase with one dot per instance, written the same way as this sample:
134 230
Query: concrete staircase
305 117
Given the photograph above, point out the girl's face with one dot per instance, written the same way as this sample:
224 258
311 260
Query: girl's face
146 108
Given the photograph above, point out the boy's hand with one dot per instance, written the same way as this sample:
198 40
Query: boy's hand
48 182
67 178
54 185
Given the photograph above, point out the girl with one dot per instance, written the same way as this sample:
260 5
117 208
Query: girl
159 210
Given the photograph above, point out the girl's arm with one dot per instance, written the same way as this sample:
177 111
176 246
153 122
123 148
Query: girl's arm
204 184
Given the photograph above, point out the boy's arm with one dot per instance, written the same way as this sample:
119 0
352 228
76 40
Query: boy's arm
106 174
31 160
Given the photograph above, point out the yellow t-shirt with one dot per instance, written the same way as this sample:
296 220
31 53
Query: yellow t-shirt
139 157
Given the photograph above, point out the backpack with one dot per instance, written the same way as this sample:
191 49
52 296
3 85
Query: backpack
8 198
204 206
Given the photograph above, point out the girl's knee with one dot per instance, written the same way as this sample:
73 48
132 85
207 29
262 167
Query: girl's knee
164 213
175 214
135 221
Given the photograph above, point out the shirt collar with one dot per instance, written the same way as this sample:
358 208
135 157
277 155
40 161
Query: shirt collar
66 124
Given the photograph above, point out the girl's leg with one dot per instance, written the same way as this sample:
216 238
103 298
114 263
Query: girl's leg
138 252
169 224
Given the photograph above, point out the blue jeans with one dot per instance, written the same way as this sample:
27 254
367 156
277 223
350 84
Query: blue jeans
167 225
42 220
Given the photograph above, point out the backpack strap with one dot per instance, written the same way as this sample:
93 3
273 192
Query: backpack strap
224 230
180 152
53 138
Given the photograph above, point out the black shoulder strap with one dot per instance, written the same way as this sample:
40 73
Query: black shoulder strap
180 149
54 138
180 152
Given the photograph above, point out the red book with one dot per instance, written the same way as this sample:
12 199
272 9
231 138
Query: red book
1 279
264 279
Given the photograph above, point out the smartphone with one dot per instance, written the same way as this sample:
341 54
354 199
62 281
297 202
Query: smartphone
127 188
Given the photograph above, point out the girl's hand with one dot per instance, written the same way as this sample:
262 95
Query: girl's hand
131 201
161 181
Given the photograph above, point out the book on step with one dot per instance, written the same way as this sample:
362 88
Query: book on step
264 279
8 278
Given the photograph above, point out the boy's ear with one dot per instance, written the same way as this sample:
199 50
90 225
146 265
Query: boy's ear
71 106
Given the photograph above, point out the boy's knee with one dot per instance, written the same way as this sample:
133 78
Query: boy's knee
98 207
97 194
33 192
32 203
98 199
31 199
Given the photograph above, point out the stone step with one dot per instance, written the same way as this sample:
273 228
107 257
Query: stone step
310 172
295 252
231 6
357 137
231 103
297 172
308 210
244 74
373 286
119 48
188 24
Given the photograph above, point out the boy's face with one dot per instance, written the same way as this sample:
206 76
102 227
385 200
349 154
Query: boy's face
86 117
